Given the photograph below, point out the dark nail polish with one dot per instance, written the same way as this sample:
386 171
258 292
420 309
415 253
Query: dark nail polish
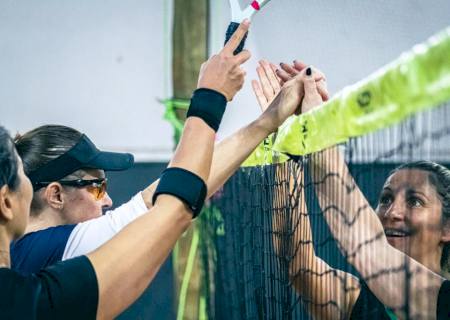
308 71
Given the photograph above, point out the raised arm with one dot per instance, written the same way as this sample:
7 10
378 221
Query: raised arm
232 151
126 264
398 281
326 292
228 156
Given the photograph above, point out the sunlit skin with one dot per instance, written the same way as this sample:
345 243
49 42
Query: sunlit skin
410 210
68 205
81 204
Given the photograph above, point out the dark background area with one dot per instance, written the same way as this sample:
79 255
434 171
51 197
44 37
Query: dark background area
158 301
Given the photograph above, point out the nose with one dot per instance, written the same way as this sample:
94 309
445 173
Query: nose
396 211
107 201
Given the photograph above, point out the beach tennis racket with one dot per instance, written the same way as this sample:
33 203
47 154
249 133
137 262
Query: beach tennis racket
240 10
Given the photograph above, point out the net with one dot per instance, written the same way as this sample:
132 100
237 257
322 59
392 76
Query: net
298 239
256 237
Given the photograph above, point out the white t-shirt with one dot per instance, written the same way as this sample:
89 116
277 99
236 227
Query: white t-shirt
89 235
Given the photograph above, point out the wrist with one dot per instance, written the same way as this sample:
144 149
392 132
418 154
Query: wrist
266 124
208 105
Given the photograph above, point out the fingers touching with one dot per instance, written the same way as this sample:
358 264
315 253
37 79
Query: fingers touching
268 85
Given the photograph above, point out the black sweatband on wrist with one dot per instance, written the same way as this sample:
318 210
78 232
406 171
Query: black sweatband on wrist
209 105
183 184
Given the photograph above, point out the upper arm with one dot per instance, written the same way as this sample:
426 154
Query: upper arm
326 291
69 291
89 235
147 194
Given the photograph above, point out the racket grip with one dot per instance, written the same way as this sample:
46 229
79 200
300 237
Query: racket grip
232 27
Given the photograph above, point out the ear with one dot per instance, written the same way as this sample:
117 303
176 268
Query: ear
6 212
53 195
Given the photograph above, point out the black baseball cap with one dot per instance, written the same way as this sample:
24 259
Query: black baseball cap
84 154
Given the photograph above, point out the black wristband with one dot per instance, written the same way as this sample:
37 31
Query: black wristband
209 105
183 184
293 157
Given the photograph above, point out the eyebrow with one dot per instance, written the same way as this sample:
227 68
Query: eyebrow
410 191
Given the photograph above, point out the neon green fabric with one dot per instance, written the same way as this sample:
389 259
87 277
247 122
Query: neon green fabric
417 80
171 116
264 154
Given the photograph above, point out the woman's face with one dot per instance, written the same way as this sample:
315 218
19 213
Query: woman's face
410 210
80 204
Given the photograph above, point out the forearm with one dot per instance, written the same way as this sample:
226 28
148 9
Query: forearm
323 288
228 156
313 279
343 205
356 227
232 151
195 148
126 264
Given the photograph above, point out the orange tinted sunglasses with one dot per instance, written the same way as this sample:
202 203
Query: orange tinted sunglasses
96 187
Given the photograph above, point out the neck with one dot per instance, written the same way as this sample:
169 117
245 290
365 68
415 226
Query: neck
5 261
44 219
432 260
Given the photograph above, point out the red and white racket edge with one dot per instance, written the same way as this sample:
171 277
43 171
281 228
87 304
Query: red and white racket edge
238 14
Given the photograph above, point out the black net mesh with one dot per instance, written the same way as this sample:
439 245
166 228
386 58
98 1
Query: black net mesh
266 241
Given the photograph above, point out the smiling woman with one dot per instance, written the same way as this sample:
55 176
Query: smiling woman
414 208
396 254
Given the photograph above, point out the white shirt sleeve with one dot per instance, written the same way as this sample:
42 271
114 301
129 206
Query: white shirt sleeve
89 235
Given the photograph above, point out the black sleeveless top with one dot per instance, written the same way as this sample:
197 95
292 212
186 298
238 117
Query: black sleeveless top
369 307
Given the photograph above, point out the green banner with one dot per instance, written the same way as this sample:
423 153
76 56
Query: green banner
417 80
171 116
264 154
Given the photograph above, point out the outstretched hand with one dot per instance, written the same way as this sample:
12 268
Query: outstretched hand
286 102
280 98
269 84
223 72
287 72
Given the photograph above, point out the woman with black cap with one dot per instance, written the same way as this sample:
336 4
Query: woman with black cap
106 281
67 172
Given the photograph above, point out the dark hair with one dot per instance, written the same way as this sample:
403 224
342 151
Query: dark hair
439 176
41 145
8 161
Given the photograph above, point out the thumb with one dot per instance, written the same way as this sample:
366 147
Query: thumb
311 97
310 84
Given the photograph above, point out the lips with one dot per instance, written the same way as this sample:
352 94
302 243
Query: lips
397 233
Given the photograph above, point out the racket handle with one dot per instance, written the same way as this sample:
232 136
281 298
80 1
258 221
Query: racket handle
232 27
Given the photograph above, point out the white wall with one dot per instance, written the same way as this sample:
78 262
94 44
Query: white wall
100 66
347 39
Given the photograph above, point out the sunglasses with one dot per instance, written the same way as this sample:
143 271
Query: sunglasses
96 187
